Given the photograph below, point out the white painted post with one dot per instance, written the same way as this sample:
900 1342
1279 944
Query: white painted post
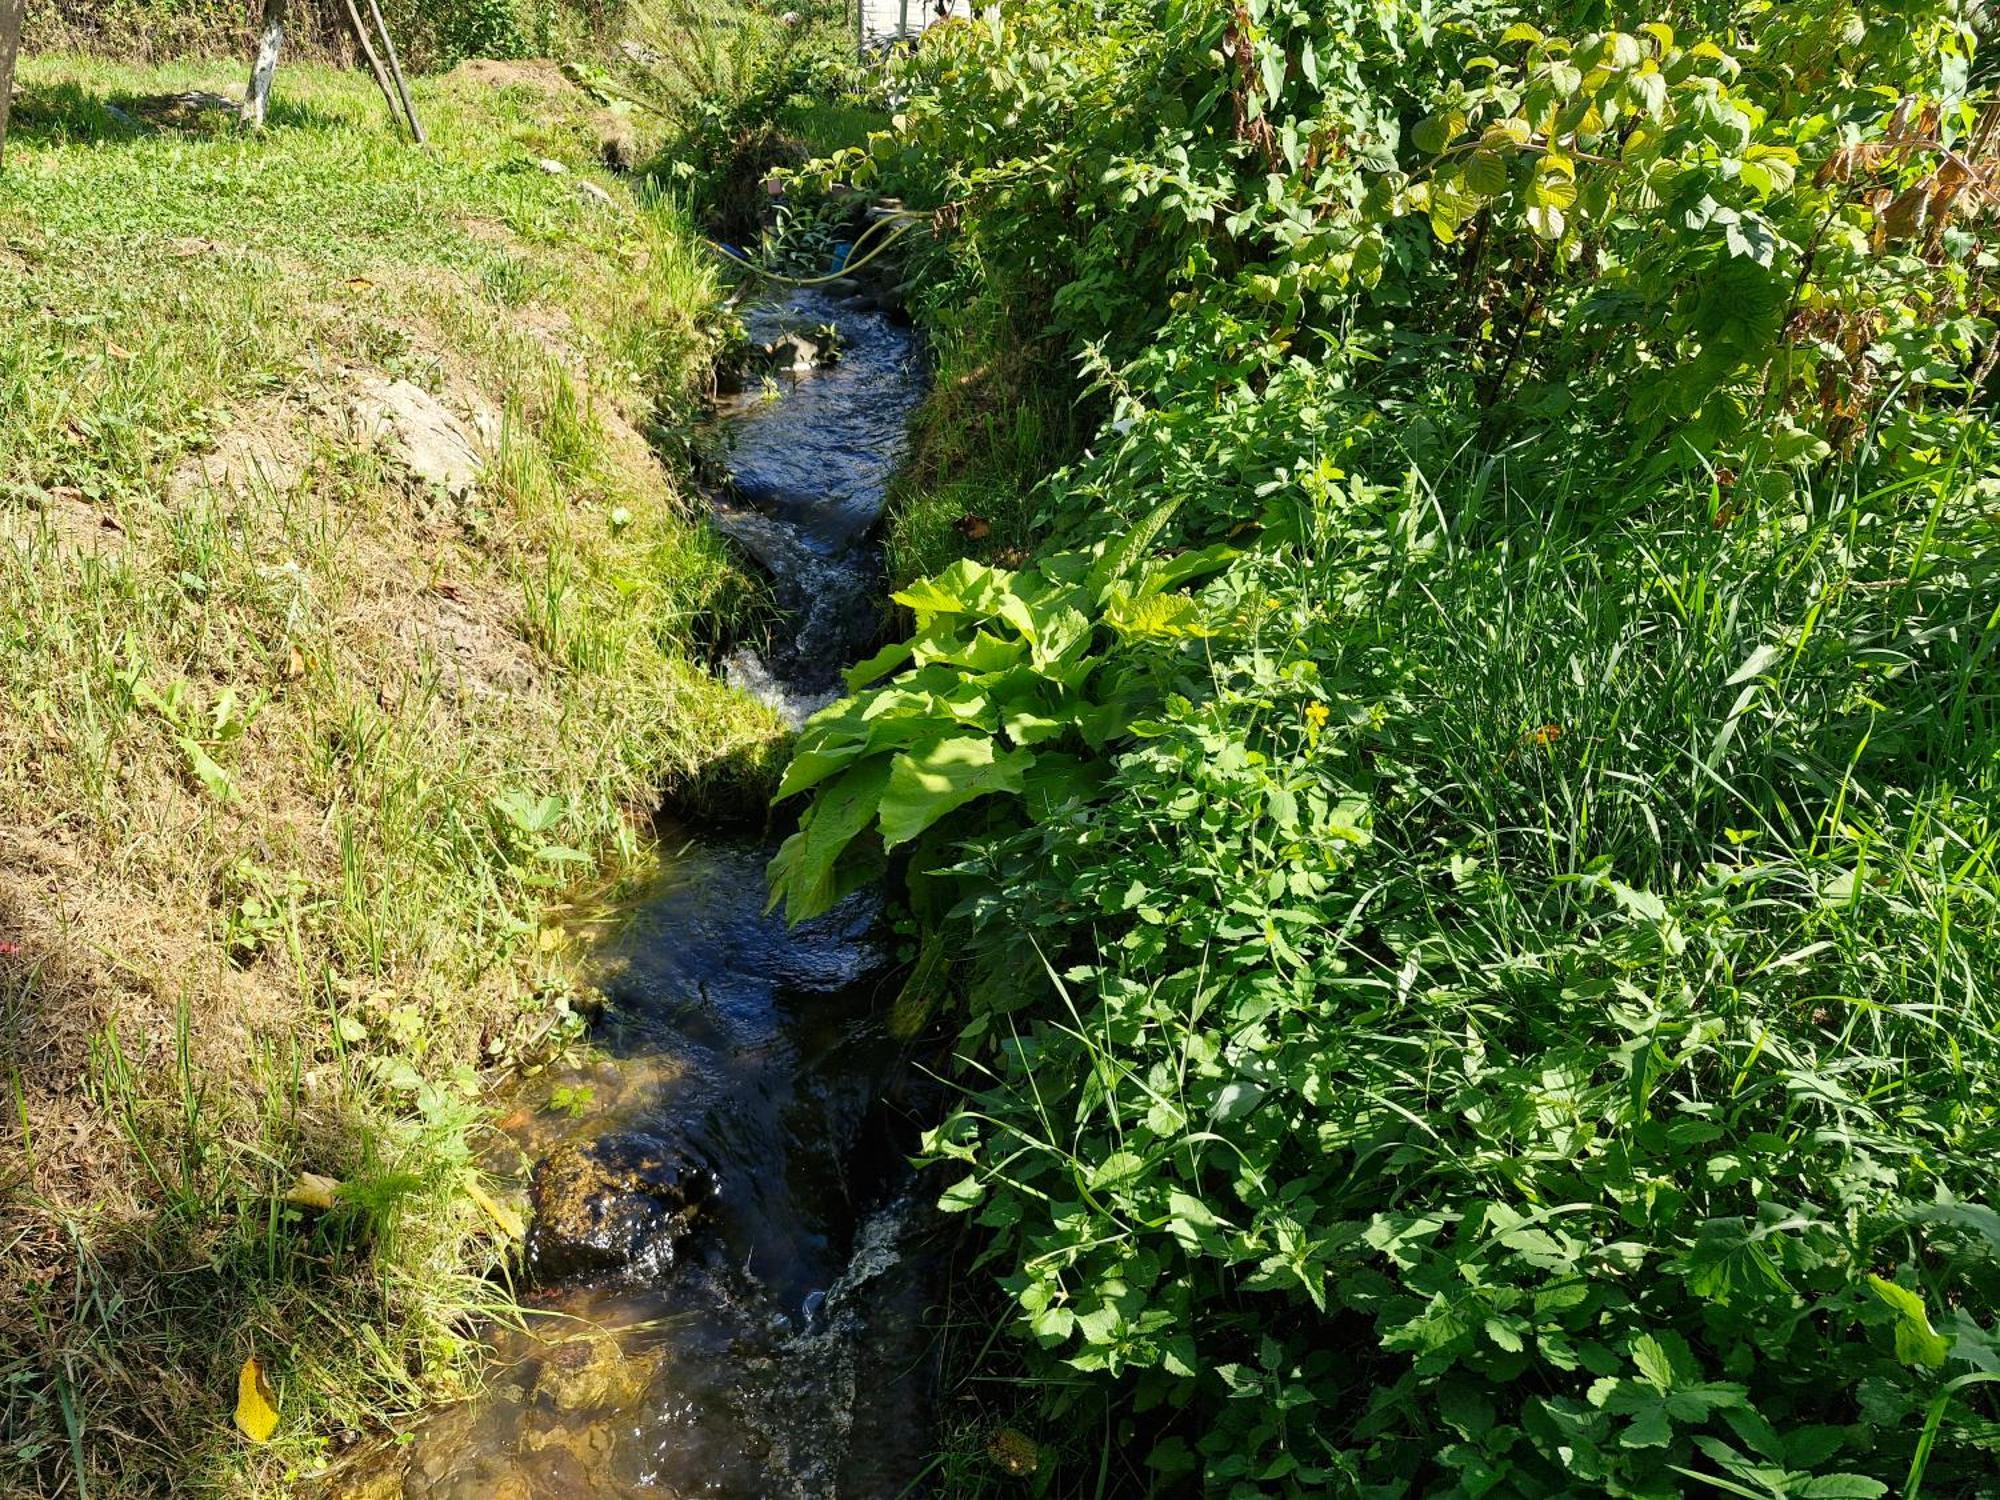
266 66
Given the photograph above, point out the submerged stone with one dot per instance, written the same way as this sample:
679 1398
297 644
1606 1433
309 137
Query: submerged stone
592 1374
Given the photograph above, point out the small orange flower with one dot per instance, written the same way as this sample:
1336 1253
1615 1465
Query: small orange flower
1548 734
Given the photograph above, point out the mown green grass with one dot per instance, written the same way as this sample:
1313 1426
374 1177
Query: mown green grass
296 776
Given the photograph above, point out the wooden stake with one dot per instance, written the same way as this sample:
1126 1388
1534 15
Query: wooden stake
11 12
266 67
354 24
395 68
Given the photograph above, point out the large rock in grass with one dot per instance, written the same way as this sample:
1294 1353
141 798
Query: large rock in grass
618 1203
434 443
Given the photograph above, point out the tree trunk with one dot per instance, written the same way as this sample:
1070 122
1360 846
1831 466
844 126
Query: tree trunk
11 12
273 38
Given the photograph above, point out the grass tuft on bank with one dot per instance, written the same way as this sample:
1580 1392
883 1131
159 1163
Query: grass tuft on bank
301 754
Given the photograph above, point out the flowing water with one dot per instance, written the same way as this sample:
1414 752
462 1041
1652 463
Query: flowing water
720 1208
808 475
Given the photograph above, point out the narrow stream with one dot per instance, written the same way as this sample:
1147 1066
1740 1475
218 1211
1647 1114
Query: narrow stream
720 1215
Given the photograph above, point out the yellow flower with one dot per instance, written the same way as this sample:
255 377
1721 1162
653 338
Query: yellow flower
1317 715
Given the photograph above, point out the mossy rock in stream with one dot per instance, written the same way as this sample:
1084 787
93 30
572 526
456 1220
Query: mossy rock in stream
615 1203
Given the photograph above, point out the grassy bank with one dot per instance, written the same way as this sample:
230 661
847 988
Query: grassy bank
1463 818
301 749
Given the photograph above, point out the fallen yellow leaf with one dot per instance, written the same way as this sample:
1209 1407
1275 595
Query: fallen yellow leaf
256 1406
313 1191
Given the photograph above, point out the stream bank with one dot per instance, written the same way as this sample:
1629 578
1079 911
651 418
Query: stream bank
722 1239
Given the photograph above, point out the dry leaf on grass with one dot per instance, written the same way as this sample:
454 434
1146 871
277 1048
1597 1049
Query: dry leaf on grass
256 1403
314 1191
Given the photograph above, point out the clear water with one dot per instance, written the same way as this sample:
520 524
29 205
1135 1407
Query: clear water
777 1350
808 471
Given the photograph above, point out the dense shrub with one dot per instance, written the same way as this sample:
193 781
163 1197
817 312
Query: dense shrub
429 36
723 76
1474 838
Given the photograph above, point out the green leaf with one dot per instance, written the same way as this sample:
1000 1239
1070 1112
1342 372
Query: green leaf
1122 552
1649 92
925 785
1160 617
530 814
1554 184
1435 133
1754 665
1486 173
1644 905
1917 1342
1839 1487
1653 1362
832 738
962 1195
1117 1169
1751 238
802 872
878 666
214 780
1650 1428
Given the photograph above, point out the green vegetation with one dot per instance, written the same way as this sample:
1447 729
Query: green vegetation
430 34
1470 844
302 755
741 90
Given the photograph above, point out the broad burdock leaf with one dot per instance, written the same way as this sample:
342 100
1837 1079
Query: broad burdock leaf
925 785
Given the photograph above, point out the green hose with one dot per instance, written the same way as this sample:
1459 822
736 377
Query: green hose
849 268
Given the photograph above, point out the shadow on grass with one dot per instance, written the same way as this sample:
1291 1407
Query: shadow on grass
67 113
150 1240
